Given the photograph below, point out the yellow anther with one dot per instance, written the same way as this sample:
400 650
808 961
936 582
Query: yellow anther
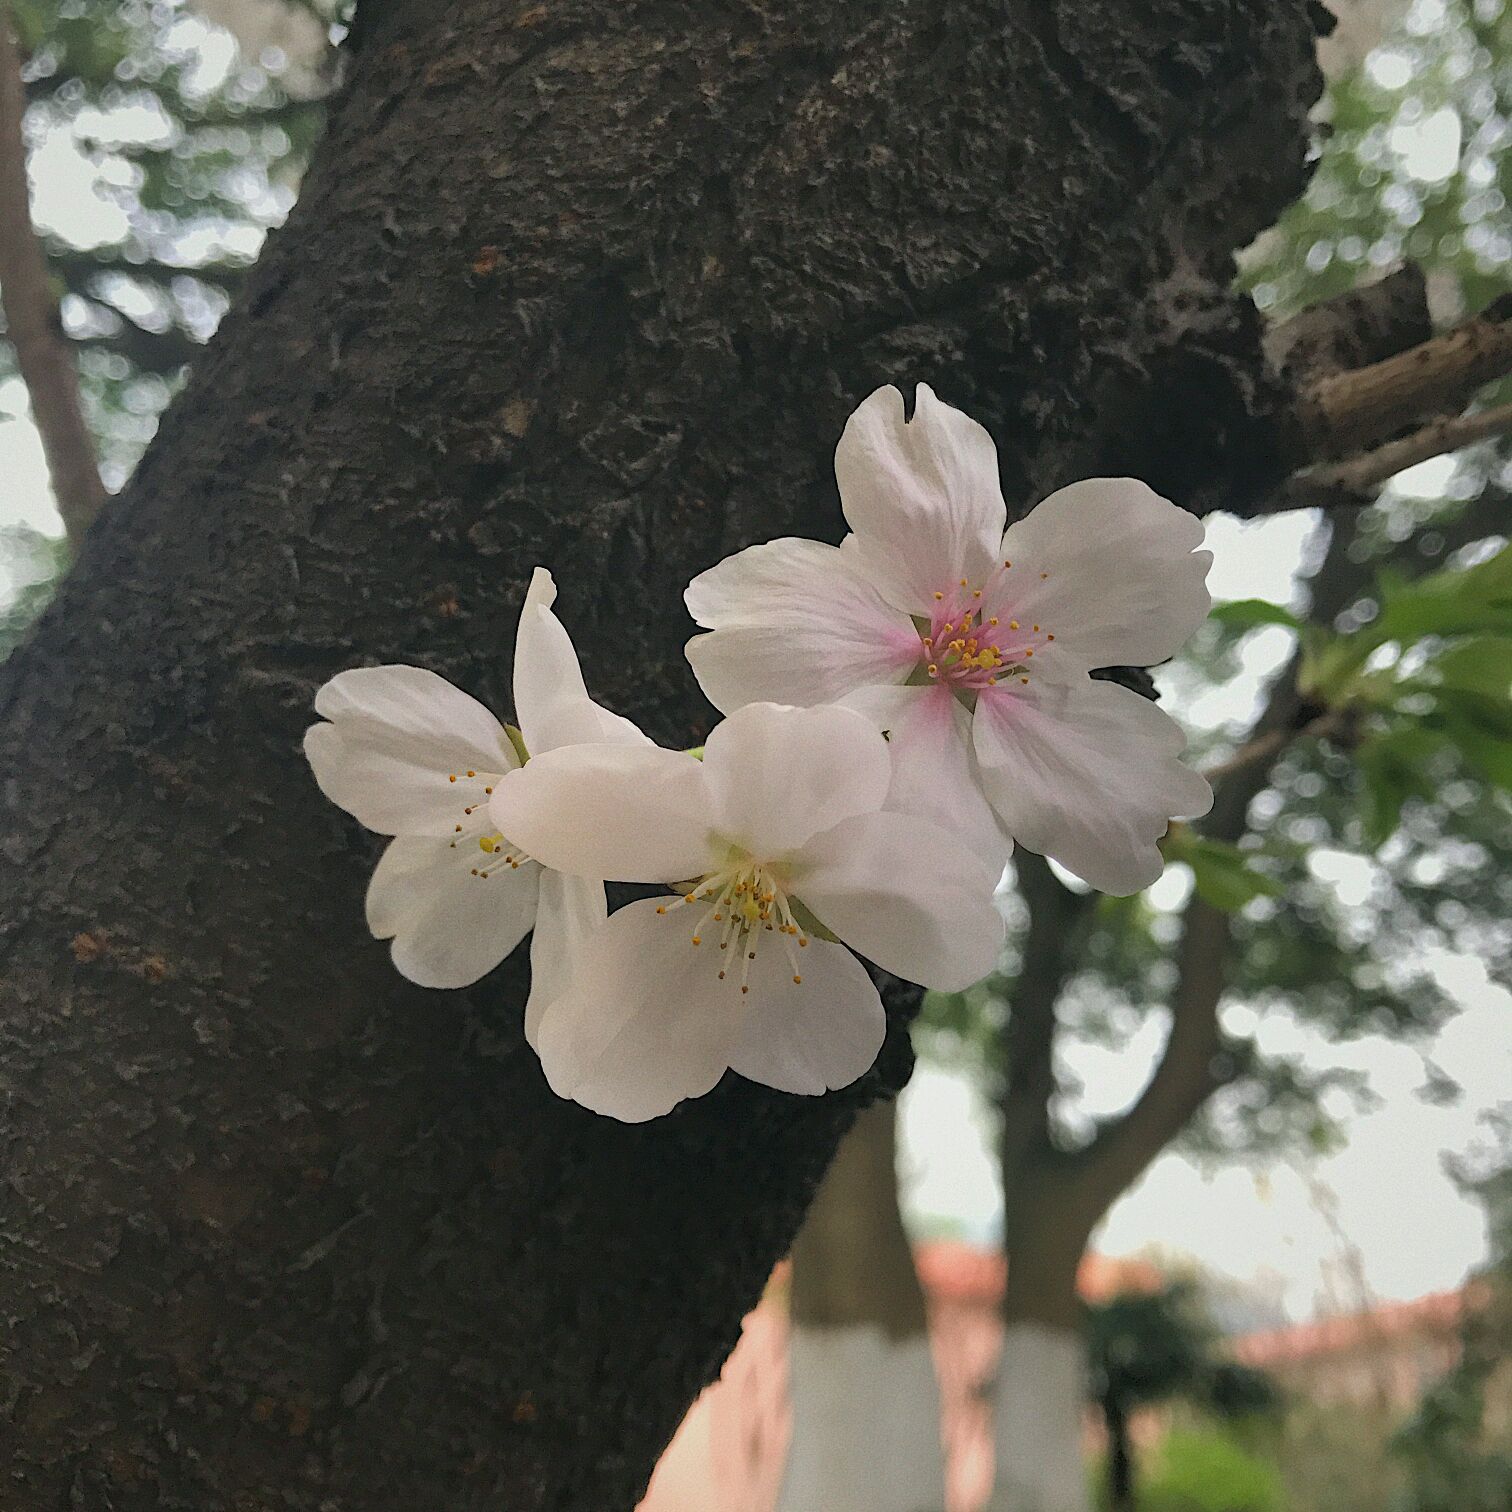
472 774
963 582
938 597
486 843
1049 637
1029 653
452 778
1023 679
934 671
1013 624
976 593
1043 576
698 939
803 939
797 981
661 908
1036 629
993 620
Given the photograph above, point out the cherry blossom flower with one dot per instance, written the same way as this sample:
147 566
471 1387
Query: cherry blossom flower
779 846
409 755
971 644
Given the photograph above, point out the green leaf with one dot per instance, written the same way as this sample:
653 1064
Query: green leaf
1481 666
1250 613
1220 872
1395 768
1452 601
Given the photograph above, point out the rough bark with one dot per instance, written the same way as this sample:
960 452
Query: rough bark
591 284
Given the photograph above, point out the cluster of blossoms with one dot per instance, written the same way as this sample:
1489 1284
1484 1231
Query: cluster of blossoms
900 710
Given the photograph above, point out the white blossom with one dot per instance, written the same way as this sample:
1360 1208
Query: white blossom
971 644
409 755
779 845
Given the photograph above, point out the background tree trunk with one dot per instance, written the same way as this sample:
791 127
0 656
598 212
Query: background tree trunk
866 1404
592 284
1120 1458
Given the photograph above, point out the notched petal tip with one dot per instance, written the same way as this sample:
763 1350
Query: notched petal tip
542 592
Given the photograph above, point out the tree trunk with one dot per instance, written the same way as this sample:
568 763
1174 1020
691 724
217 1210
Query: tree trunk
866 1405
1042 1375
1120 1458
592 284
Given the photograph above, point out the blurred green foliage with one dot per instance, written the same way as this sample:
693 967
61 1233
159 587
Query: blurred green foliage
1412 164
1210 1470
185 152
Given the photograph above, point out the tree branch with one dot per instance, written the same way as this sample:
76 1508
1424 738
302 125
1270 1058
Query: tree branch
1358 480
1341 413
31 316
1192 1066
1055 911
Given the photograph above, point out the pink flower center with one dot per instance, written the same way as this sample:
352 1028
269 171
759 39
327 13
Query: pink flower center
973 640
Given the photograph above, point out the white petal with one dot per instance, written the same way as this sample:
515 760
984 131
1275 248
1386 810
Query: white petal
397 736
570 911
778 775
1086 772
1125 585
794 622
448 927
810 1036
416 704
646 1021
551 701
621 813
934 773
908 896
923 498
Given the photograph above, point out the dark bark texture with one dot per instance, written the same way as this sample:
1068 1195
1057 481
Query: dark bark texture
592 283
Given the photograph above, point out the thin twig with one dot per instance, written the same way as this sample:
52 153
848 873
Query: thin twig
31 316
1357 480
1264 748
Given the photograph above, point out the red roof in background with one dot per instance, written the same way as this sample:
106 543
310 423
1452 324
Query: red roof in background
1438 1314
952 1270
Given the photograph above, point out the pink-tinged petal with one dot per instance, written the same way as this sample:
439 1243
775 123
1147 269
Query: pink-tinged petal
646 1021
934 773
449 927
1087 773
813 1035
620 813
396 738
923 497
1110 569
793 622
908 896
570 912
778 774
551 701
